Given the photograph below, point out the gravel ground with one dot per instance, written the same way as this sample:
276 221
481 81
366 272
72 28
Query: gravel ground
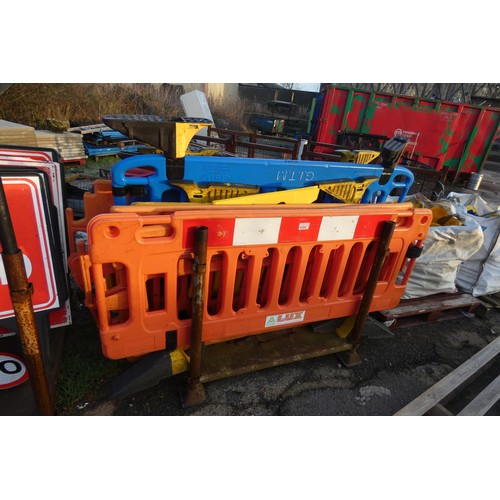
393 372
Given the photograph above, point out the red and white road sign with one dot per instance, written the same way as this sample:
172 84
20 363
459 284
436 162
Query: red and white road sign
29 219
44 161
27 154
12 370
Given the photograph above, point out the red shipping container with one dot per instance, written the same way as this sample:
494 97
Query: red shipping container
443 134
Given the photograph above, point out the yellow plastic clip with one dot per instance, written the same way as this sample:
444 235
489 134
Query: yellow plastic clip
180 361
347 190
357 156
197 150
346 327
207 192
365 157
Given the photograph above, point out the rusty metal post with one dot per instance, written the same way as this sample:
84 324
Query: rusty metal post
251 150
209 134
351 358
296 149
195 392
20 292
231 145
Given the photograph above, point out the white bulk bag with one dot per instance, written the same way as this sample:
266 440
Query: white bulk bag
445 248
480 275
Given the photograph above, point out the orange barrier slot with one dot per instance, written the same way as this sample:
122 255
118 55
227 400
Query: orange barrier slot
267 268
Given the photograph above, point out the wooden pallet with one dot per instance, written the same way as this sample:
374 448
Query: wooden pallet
442 306
492 300
432 402
74 162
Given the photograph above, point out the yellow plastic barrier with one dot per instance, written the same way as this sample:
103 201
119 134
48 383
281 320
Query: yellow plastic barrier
288 196
347 191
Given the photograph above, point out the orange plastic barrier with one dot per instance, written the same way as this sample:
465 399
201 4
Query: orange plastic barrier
267 268
98 202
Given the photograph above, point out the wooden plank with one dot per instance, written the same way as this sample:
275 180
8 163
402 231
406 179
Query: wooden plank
430 304
421 319
483 401
446 387
439 411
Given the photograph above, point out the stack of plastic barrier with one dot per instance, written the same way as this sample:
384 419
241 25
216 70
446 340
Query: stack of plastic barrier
268 267
289 242
249 181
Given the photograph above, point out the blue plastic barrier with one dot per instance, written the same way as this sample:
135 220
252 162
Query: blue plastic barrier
270 175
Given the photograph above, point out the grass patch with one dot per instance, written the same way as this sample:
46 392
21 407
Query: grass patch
92 167
84 370
79 378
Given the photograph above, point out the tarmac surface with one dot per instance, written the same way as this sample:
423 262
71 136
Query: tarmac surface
393 372
395 369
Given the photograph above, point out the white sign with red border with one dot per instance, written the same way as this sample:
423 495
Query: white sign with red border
56 186
12 370
26 208
43 160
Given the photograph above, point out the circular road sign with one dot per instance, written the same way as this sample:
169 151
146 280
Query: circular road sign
12 370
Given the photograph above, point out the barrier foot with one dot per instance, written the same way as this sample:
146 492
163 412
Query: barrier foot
349 358
193 394
146 373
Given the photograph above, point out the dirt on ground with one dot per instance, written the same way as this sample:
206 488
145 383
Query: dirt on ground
394 371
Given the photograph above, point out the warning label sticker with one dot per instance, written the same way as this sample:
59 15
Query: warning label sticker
285 319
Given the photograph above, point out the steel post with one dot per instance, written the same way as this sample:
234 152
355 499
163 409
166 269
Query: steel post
351 358
20 292
195 392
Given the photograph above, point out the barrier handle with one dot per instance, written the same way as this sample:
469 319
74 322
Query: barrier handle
384 191
120 168
364 307
120 182
195 393
20 293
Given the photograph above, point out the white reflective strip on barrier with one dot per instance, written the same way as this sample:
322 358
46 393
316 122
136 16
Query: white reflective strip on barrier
257 231
337 228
